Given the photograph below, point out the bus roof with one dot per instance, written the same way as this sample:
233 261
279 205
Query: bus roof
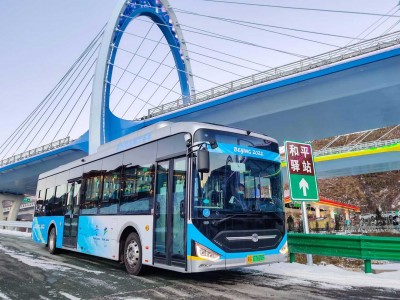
146 135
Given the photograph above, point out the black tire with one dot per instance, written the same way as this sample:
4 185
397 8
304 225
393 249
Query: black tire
133 254
52 241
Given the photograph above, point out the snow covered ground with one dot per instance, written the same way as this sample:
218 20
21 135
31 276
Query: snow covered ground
335 277
324 276
15 233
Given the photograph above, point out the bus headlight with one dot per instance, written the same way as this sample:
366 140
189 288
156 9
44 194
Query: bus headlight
284 249
204 252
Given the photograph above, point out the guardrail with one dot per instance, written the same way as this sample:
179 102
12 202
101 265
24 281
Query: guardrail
315 62
361 247
16 224
36 151
22 206
361 146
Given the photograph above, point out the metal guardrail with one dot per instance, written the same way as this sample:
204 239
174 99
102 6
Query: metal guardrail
16 224
36 151
361 146
307 64
345 149
22 206
361 247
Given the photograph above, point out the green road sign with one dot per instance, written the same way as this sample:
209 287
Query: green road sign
26 200
301 172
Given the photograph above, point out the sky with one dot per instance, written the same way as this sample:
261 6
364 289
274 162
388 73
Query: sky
41 40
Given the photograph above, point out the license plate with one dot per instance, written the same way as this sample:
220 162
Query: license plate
251 259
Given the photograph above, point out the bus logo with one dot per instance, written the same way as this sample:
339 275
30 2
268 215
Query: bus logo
254 237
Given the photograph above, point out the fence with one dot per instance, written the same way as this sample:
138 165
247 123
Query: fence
36 151
15 224
361 247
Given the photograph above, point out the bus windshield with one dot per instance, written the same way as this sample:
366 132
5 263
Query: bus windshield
244 178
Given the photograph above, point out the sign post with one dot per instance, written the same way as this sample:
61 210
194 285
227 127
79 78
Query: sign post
302 180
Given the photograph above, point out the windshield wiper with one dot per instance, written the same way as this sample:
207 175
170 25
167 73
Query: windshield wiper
237 215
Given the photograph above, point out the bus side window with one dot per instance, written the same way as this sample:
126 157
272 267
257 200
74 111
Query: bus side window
39 204
61 191
91 194
138 191
48 206
111 192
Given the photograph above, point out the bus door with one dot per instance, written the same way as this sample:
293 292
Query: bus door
72 214
169 235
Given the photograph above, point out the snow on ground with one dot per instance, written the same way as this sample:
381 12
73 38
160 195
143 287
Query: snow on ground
32 261
4 297
331 276
16 233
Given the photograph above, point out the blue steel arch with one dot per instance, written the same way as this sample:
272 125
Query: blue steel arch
160 13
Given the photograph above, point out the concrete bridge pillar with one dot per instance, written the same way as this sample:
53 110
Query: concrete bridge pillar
1 210
17 200
13 214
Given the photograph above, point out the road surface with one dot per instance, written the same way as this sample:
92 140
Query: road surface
28 271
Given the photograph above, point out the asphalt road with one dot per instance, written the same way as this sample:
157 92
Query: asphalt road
28 271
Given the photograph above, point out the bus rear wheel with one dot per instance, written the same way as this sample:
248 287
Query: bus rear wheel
52 241
133 254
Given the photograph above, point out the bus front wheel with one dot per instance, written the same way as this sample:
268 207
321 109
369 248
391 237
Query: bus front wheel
52 241
133 254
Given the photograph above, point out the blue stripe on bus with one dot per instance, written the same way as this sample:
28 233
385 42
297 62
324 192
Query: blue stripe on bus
196 235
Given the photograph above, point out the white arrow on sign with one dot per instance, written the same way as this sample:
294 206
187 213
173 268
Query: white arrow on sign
304 186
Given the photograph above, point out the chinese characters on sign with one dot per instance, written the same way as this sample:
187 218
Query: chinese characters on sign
300 166
300 159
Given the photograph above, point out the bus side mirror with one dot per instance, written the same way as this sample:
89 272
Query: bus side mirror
203 161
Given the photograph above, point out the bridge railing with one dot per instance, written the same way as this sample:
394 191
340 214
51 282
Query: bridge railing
306 64
22 206
36 151
361 146
15 224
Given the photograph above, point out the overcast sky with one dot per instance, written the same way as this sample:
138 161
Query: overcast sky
41 39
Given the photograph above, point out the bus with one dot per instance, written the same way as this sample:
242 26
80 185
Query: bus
185 196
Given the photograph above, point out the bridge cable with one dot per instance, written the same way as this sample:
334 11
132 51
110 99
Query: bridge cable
201 54
69 99
157 89
391 27
145 85
144 78
46 100
130 61
65 84
141 68
149 80
304 8
184 71
159 85
201 62
242 23
269 25
129 93
72 109
70 87
231 39
201 46
76 119
373 24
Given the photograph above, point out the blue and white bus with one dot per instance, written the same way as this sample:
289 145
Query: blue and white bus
189 197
